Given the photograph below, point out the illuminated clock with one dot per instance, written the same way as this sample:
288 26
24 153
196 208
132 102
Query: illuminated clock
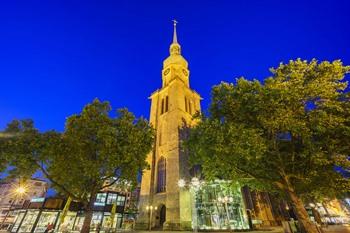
185 72
166 71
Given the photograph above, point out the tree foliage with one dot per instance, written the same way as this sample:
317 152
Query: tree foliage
290 133
93 150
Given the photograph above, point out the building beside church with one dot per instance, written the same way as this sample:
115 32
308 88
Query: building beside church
9 199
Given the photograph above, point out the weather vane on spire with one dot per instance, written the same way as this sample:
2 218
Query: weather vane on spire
175 22
175 35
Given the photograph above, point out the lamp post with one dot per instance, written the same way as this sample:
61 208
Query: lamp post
150 208
225 200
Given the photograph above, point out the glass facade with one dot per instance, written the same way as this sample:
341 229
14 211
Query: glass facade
46 218
218 205
28 221
68 223
18 221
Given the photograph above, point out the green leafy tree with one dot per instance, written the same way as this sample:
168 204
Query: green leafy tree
94 151
289 134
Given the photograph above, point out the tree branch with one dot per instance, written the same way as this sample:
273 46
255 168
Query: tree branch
41 167
110 184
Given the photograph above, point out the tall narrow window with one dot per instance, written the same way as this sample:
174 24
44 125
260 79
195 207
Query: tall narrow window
162 110
160 139
189 107
161 175
185 104
166 104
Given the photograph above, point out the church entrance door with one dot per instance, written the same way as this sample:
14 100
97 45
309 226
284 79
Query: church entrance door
162 215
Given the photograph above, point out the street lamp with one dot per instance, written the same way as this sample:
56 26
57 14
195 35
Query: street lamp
225 200
150 208
18 192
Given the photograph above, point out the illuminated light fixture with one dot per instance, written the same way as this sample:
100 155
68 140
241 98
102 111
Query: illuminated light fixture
181 183
195 182
21 190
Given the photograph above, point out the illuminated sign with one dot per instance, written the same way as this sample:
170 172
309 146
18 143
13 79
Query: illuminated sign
99 204
38 199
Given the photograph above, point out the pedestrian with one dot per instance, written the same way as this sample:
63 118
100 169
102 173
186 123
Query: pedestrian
98 227
49 228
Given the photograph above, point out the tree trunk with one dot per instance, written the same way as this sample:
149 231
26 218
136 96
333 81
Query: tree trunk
88 214
305 223
87 221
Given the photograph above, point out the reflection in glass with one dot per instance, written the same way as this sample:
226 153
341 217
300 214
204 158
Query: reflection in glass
219 205
18 221
45 219
29 221
68 223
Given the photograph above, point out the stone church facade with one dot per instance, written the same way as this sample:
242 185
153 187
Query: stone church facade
165 205
172 107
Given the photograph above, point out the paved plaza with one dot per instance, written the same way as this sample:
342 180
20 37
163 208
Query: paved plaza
329 229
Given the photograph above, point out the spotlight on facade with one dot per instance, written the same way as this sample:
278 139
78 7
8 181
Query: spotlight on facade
195 182
181 183
21 190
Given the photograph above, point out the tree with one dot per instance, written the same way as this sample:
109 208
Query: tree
289 134
93 150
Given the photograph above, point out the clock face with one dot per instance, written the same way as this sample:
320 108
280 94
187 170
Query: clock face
166 71
185 72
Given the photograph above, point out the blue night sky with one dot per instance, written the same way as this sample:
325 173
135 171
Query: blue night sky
56 56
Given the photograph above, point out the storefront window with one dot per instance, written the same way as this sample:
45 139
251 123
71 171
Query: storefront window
68 223
96 220
219 205
106 224
78 222
46 218
28 221
112 198
19 218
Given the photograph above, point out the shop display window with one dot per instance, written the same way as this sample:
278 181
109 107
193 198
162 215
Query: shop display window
106 224
46 218
19 218
68 223
78 222
28 221
96 220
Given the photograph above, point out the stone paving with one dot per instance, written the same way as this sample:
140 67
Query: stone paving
329 229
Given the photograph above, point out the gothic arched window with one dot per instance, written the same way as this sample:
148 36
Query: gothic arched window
161 175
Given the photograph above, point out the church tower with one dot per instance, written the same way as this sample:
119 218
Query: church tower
172 108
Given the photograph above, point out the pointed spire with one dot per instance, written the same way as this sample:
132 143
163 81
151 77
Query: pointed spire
175 35
175 48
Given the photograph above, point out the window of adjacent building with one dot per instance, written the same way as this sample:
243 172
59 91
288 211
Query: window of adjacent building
161 175
120 200
112 198
100 199
37 184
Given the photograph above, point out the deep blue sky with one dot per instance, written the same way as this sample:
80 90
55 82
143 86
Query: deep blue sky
56 56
